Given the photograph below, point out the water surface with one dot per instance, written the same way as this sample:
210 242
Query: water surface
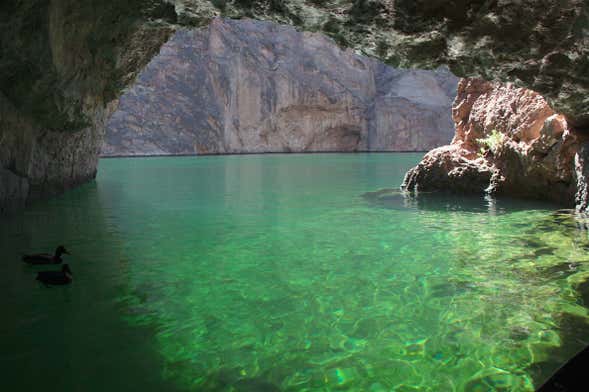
279 272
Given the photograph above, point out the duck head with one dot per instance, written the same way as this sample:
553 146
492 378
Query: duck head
61 250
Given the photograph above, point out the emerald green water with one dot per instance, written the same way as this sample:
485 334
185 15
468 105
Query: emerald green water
273 272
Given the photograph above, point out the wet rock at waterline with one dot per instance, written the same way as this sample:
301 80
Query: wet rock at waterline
446 168
243 86
508 142
62 65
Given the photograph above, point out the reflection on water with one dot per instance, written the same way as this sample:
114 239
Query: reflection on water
290 272
394 198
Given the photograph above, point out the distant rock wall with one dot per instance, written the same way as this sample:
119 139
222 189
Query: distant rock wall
510 142
243 86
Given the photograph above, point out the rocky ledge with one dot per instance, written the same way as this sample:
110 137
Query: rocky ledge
246 86
508 141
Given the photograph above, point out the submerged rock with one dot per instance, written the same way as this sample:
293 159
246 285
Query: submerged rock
495 379
508 142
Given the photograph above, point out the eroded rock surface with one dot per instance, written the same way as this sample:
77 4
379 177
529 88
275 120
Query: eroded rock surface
63 61
242 86
62 65
508 142
542 45
37 162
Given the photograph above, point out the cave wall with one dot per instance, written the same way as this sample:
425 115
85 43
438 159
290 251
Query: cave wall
62 65
38 162
245 86
542 45
63 61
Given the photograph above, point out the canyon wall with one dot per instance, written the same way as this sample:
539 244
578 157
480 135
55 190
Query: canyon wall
244 86
542 45
508 141
62 62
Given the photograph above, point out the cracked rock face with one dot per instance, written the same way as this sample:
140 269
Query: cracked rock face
57 53
508 142
248 86
542 45
62 62
35 163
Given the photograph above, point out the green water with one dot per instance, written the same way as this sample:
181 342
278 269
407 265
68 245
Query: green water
263 273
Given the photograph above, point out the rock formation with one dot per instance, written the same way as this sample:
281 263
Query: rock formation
542 45
62 65
36 162
243 86
508 142
62 62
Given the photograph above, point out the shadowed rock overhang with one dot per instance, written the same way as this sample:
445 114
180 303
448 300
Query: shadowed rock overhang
62 62
57 53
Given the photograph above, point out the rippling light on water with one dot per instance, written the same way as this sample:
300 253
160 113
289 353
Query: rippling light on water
289 272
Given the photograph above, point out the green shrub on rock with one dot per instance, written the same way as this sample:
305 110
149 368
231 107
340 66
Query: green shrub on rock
492 142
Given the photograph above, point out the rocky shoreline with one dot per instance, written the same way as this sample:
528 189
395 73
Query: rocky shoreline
508 142
258 153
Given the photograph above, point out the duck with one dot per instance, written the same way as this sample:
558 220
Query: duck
46 258
56 277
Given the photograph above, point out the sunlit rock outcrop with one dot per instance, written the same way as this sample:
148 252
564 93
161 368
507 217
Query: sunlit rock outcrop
508 142
247 86
63 61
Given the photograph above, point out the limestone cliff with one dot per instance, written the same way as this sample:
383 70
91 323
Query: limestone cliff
508 141
248 86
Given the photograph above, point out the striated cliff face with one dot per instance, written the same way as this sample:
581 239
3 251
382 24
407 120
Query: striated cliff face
508 142
62 62
542 45
249 86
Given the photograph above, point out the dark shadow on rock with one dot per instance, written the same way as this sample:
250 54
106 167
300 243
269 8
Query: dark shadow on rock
583 291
